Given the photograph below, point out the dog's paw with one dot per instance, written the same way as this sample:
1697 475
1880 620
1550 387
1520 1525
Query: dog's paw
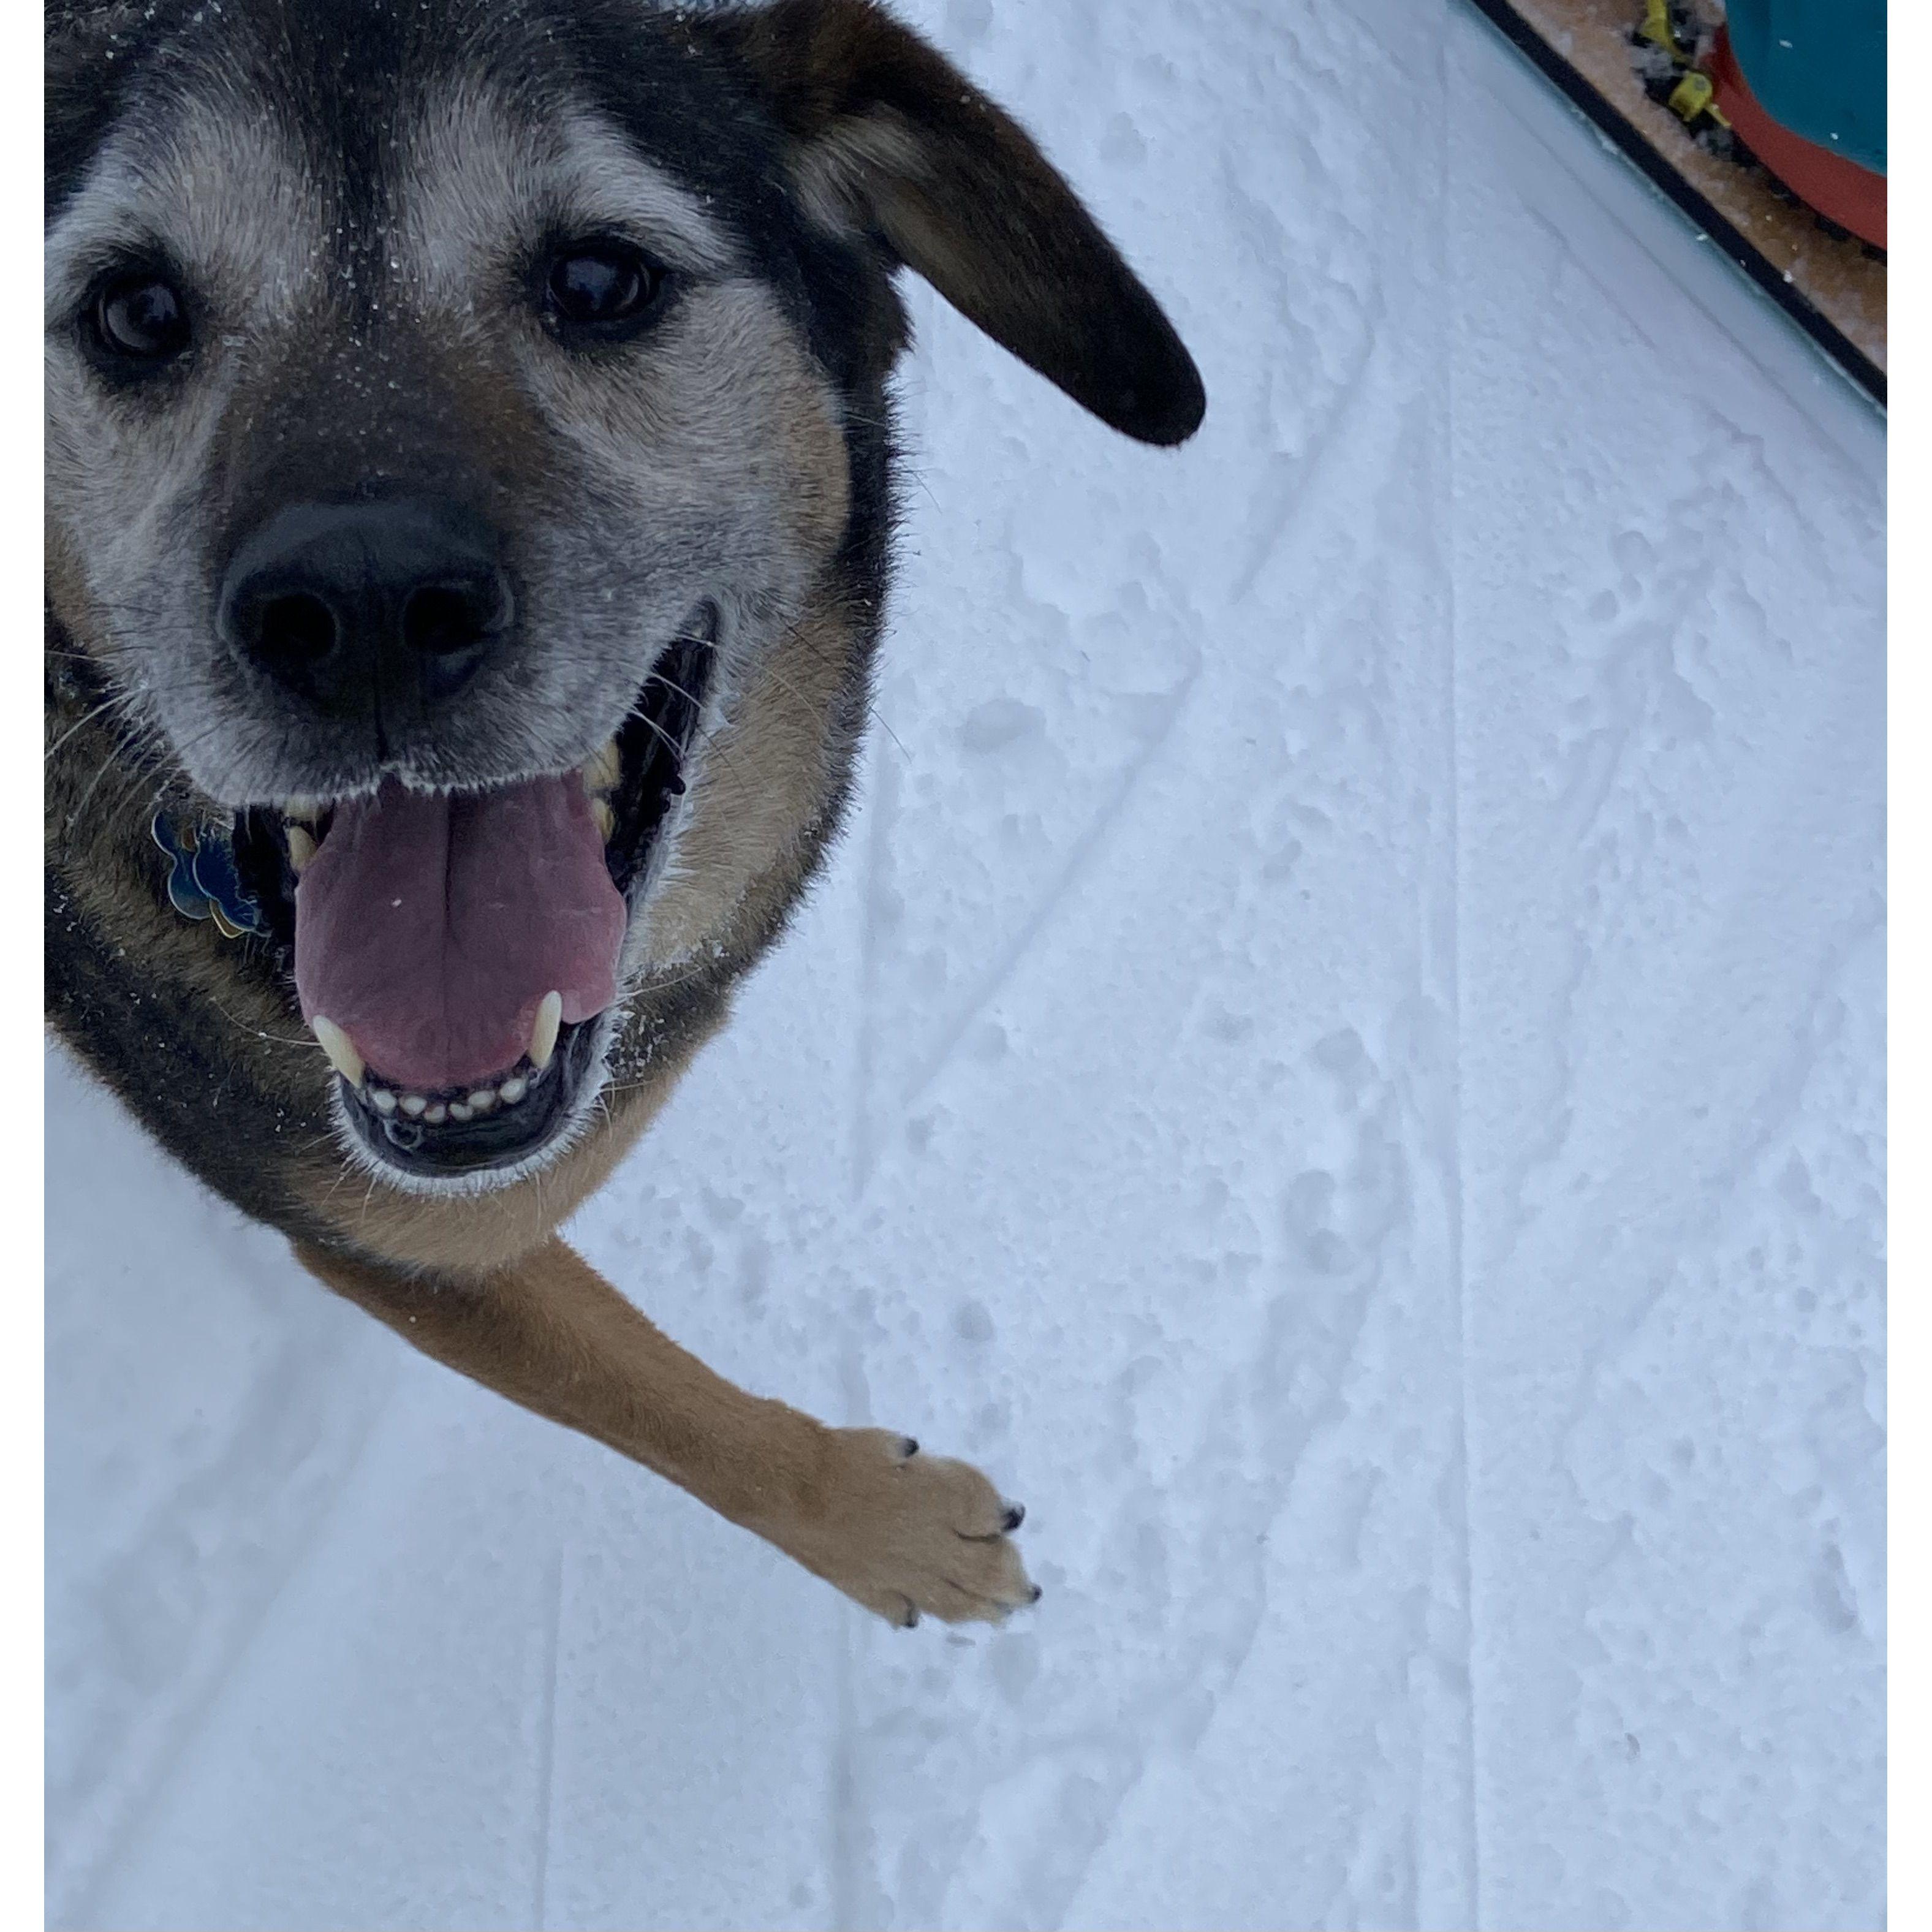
910 1535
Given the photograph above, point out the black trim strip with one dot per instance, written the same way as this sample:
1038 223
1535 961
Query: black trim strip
1609 120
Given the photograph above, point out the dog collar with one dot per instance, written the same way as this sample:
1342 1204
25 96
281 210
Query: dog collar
203 882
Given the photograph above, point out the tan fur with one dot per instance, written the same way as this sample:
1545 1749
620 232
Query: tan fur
764 786
899 1532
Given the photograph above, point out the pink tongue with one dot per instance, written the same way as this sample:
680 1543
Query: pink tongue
430 928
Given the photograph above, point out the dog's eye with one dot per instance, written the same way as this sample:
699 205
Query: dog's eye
603 288
141 318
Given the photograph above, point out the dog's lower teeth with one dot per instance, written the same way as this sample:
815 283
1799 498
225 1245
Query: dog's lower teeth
301 847
461 1107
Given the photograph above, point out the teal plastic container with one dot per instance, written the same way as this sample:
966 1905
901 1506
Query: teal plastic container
1817 66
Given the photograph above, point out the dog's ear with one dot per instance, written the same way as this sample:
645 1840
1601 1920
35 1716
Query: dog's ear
889 139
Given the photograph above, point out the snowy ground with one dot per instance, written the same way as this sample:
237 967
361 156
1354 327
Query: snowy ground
1342 1061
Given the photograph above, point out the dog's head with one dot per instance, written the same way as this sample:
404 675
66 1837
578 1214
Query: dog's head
469 459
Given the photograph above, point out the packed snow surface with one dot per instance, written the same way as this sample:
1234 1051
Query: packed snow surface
1341 1061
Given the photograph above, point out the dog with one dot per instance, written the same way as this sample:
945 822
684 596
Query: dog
470 491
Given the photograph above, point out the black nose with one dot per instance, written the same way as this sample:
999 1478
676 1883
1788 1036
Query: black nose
380 610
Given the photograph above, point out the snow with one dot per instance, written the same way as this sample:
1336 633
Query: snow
1342 1061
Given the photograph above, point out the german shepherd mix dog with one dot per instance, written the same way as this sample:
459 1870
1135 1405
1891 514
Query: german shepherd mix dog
470 489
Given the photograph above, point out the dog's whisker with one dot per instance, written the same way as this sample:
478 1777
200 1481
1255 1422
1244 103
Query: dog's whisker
658 731
672 685
309 1044
80 724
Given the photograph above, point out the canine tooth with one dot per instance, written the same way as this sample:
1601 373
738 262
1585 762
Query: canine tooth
341 1049
482 1100
303 810
513 1089
382 1100
458 1112
413 1104
607 819
302 846
602 769
543 1040
437 1114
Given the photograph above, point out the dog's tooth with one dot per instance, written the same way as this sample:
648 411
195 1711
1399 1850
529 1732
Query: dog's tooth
303 811
413 1104
602 769
382 1100
482 1100
513 1089
302 846
607 819
543 1040
436 1114
458 1112
341 1049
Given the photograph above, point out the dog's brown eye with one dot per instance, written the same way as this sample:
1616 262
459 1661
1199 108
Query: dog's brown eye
141 318
602 288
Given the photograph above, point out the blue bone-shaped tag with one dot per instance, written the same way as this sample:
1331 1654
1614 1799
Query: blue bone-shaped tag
202 881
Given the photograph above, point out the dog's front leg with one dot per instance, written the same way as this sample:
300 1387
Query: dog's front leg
899 1532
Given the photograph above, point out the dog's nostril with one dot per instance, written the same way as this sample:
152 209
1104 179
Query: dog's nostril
440 618
387 607
299 629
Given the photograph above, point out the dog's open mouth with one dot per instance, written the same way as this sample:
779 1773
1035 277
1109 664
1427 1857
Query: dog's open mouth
454 951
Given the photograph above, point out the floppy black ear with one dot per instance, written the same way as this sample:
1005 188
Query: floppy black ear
889 138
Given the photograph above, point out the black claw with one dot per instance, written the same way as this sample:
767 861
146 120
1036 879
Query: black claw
1015 1516
911 1618
1037 1593
908 1448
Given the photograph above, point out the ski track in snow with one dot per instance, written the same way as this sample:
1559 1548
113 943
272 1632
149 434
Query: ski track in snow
1342 1061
